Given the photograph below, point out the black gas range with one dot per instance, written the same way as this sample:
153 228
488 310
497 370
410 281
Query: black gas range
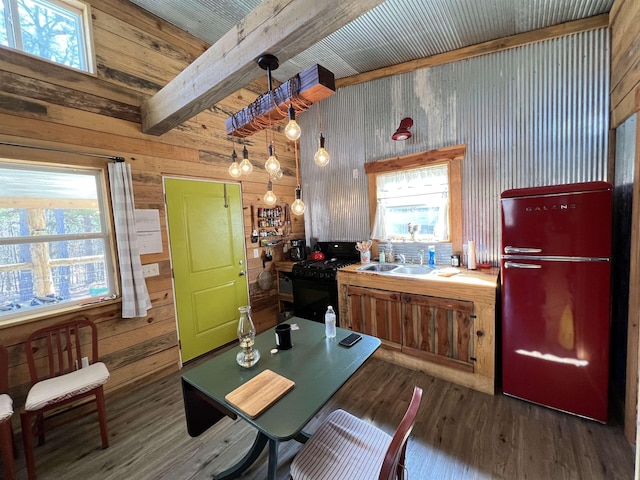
315 285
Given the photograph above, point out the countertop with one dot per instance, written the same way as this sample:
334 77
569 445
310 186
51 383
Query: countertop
480 277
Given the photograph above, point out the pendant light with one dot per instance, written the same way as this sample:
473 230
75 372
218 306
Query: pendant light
272 165
234 168
297 207
292 130
270 197
245 165
322 156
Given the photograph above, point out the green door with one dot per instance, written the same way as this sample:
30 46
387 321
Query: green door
206 240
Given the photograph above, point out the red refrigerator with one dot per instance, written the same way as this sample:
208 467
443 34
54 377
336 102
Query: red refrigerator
555 280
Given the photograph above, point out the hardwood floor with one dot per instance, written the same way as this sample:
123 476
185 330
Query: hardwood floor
460 434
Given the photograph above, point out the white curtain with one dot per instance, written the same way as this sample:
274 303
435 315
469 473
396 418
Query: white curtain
379 231
135 297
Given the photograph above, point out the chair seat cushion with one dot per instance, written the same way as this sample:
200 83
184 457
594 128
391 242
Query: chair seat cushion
56 389
344 447
6 407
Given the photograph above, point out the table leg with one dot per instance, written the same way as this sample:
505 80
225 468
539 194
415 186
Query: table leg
302 437
246 461
273 459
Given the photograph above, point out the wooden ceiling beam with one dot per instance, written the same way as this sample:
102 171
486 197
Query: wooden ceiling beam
283 28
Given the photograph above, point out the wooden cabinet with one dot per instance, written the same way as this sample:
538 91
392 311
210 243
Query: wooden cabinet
442 326
376 312
439 330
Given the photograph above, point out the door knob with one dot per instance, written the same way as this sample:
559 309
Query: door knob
242 273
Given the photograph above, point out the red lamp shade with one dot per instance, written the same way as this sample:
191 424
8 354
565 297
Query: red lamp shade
403 132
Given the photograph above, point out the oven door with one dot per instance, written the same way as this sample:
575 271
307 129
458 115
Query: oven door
312 296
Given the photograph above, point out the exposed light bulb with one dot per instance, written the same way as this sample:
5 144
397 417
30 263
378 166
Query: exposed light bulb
234 168
270 197
292 130
322 156
272 165
278 175
245 165
298 207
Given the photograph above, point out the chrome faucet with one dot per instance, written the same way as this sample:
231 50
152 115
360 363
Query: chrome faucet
421 256
402 258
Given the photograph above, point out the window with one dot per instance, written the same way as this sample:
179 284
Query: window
57 30
418 197
55 249
413 204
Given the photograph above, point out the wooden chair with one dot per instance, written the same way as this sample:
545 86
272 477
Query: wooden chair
60 377
345 447
6 411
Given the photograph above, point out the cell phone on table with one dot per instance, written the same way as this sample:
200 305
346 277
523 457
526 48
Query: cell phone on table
350 340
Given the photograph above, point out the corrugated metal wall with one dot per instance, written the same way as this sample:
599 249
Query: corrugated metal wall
535 115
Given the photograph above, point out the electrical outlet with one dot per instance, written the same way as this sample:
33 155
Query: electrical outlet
85 362
150 270
355 173
256 253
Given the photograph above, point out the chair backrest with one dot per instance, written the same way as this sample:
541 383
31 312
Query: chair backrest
392 464
59 349
4 370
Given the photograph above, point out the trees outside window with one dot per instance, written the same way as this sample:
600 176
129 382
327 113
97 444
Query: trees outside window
56 30
55 247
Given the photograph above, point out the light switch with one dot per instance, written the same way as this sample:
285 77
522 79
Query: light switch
256 253
150 270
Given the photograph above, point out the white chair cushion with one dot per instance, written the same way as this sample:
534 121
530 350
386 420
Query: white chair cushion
6 407
344 447
53 390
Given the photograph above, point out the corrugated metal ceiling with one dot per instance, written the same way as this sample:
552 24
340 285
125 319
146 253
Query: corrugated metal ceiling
396 31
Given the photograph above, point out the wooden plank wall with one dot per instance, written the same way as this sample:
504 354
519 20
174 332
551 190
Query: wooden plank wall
624 21
47 105
625 100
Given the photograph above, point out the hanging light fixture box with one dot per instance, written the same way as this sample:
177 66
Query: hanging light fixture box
316 83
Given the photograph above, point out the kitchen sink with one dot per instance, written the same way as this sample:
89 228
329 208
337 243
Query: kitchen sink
378 267
413 270
397 269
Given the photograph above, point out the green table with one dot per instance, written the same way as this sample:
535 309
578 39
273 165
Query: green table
317 365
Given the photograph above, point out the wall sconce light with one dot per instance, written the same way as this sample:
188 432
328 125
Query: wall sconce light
403 133
245 165
270 197
234 168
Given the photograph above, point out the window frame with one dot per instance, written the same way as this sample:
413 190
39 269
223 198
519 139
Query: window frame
86 46
106 218
450 156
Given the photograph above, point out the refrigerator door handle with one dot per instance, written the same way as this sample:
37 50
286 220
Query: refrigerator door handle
521 265
510 249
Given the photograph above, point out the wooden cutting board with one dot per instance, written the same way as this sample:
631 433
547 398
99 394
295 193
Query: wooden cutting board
259 393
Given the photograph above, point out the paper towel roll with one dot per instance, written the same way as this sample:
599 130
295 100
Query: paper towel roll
471 264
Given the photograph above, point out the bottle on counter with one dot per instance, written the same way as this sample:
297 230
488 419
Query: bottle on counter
432 255
330 323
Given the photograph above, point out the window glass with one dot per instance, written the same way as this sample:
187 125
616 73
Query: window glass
413 204
54 30
54 244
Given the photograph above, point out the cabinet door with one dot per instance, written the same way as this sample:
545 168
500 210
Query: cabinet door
376 312
438 329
